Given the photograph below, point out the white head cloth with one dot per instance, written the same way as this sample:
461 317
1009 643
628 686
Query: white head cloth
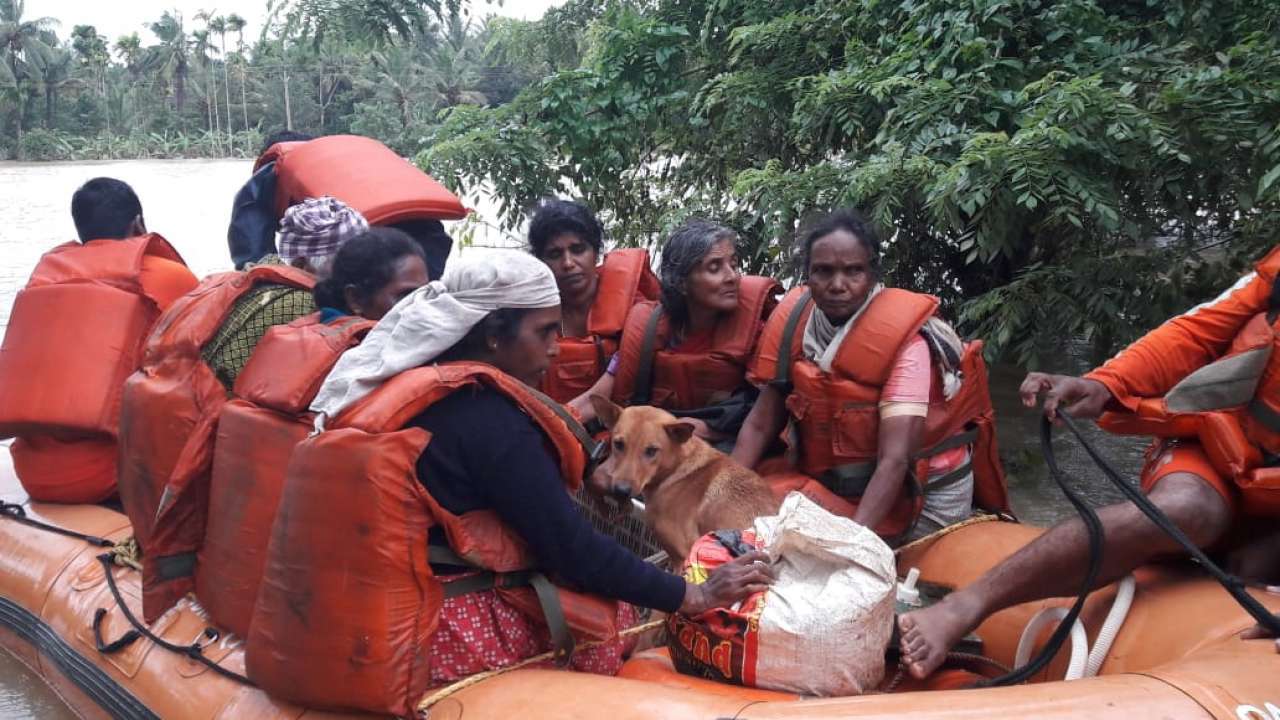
433 319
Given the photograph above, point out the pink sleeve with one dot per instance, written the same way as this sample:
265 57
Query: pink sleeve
911 379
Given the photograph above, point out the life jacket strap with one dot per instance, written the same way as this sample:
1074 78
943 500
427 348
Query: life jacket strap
1268 418
642 394
548 596
851 479
782 376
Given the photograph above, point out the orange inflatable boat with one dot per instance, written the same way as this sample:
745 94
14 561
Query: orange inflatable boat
1175 655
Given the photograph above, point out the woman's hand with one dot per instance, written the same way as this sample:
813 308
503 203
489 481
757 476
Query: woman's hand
729 583
1082 398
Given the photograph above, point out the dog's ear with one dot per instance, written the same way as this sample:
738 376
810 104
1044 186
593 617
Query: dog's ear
606 411
679 432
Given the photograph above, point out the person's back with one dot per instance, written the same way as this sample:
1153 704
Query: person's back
75 334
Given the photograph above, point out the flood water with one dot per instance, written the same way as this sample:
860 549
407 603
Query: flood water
189 201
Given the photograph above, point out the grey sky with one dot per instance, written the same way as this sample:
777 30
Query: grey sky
114 18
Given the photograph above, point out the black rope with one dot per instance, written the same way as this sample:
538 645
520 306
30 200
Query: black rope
195 650
1096 535
16 512
1234 585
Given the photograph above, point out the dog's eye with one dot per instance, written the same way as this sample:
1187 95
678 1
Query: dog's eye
651 452
619 445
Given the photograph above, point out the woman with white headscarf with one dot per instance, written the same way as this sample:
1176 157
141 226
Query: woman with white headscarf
486 453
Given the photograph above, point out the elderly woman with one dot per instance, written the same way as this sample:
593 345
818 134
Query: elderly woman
858 369
499 461
369 275
689 353
595 297
311 234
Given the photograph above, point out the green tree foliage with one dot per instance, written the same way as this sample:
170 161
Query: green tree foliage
1055 171
384 69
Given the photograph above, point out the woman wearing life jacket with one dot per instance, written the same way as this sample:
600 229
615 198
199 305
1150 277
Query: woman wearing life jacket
689 353
369 276
1206 385
595 297
451 366
886 403
76 332
171 405
311 233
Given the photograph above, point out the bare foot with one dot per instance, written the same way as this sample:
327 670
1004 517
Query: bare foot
928 634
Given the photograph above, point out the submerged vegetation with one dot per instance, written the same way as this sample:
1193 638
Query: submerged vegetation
1074 170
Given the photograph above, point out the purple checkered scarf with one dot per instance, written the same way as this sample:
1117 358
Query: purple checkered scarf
317 227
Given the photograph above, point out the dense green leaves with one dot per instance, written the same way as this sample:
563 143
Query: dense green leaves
1056 171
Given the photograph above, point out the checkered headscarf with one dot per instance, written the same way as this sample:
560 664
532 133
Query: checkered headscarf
317 227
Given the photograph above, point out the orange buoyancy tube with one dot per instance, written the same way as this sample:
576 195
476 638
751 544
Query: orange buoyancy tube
256 435
364 174
835 417
625 278
1231 404
167 423
348 601
75 333
650 374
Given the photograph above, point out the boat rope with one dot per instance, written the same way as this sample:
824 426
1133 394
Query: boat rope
1233 585
428 701
975 520
1093 527
16 512
194 651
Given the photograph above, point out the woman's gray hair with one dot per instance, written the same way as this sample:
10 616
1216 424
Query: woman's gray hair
685 248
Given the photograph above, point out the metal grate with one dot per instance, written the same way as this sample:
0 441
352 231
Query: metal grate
625 525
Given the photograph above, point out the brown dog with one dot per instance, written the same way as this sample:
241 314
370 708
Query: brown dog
689 488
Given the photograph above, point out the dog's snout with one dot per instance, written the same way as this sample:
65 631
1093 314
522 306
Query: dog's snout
621 491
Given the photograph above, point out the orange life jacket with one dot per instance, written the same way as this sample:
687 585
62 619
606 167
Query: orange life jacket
625 279
1231 405
75 334
836 417
348 601
167 423
649 374
256 435
364 174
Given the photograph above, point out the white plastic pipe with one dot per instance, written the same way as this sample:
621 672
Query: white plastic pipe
1111 626
1079 641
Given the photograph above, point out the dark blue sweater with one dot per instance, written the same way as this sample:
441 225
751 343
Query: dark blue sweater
485 453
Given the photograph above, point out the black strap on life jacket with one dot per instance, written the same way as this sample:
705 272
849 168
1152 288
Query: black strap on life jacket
595 451
642 393
782 376
548 596
1273 305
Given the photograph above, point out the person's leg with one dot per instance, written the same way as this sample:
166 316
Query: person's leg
1055 564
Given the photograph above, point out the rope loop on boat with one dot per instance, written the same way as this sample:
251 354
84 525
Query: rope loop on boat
194 650
16 512
427 702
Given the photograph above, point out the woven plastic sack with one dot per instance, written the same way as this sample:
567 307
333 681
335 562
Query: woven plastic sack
820 629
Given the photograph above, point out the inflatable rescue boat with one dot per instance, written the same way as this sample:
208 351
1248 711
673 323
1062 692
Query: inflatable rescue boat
1170 647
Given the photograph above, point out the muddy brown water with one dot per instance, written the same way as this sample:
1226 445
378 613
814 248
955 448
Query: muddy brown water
189 201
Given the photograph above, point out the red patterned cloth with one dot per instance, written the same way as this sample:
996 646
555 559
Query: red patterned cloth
480 631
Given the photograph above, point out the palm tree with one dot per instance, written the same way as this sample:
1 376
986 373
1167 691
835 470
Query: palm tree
236 24
201 48
55 74
24 46
129 49
219 26
207 49
171 57
91 50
